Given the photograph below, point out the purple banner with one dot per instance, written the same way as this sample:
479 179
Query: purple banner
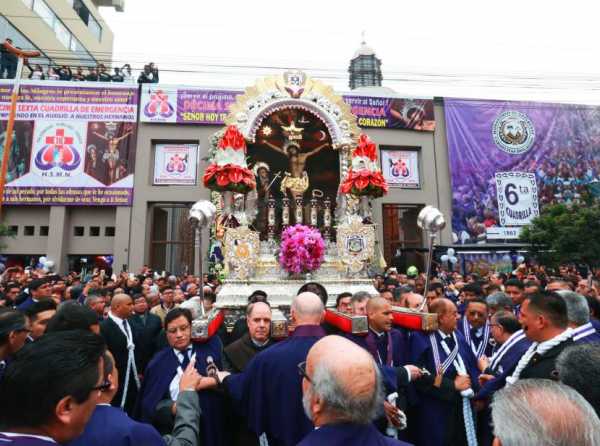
72 144
210 107
509 159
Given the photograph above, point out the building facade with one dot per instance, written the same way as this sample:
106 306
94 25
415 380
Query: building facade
154 230
69 32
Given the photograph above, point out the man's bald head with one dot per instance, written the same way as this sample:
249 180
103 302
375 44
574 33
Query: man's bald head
343 387
376 303
412 300
446 312
307 309
121 306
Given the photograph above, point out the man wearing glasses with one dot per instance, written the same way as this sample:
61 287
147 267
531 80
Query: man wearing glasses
51 389
342 394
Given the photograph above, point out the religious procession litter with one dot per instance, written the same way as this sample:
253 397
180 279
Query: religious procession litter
300 334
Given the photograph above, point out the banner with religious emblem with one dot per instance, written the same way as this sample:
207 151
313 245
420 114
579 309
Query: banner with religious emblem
400 168
73 144
510 159
189 105
175 164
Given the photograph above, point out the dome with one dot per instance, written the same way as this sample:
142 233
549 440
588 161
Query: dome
364 50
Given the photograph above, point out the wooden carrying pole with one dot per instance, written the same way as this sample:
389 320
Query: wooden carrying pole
21 55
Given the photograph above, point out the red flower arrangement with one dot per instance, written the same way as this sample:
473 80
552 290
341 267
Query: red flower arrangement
229 171
302 249
364 177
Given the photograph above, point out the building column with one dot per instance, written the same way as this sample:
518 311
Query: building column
58 237
139 231
122 235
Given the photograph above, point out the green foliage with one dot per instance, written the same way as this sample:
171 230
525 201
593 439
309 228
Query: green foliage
563 234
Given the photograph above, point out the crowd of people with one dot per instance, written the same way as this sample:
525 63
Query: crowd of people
97 359
99 73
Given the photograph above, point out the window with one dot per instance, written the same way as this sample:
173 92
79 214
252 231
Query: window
109 231
78 231
14 229
29 231
42 9
94 231
62 34
44 231
86 16
95 28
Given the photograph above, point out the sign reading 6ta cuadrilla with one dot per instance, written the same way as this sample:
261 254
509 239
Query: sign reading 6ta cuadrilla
517 196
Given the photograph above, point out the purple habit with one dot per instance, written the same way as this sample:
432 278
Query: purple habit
158 376
269 391
9 439
379 347
505 366
438 414
347 434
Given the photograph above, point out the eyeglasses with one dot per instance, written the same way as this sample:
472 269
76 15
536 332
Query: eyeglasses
105 385
302 371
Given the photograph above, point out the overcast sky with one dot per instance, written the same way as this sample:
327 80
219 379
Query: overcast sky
510 49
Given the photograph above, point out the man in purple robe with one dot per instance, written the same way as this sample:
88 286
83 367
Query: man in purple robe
268 392
444 396
341 395
388 347
475 327
160 387
511 344
50 390
578 313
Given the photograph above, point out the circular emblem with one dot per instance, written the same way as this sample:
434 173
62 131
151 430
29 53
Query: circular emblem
513 132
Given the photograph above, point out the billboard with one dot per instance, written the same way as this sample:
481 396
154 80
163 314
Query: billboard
509 159
172 104
73 144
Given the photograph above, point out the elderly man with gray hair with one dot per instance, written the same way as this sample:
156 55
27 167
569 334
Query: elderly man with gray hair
499 301
536 412
342 393
578 314
577 367
268 392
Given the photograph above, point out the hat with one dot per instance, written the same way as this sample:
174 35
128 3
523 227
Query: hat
36 283
412 271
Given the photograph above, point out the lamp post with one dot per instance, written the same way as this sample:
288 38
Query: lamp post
202 214
431 220
21 56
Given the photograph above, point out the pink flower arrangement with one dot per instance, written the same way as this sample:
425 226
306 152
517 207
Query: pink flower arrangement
302 249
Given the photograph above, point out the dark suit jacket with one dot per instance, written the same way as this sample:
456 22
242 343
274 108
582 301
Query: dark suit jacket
147 331
116 342
236 357
542 366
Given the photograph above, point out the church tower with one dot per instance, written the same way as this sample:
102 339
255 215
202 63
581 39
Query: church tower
365 68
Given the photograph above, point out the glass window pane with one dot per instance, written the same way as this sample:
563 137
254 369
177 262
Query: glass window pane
28 3
95 28
62 33
42 9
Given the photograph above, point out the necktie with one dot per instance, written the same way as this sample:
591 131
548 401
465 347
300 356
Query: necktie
450 342
126 328
186 358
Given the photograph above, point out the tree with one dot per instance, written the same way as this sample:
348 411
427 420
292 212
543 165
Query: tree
565 234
